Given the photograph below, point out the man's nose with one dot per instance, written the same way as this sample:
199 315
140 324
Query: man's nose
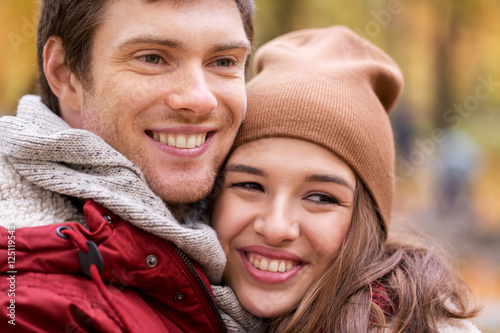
278 222
192 93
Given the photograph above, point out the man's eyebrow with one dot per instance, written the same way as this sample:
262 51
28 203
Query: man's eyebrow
151 40
243 44
175 44
244 169
330 179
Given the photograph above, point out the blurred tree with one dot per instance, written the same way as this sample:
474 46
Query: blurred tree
444 48
18 69
455 18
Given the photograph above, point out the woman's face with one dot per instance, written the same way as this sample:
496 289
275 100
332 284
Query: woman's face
282 214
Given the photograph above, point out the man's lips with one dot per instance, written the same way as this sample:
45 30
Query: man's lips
180 140
184 137
184 142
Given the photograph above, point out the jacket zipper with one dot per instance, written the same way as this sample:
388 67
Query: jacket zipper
207 293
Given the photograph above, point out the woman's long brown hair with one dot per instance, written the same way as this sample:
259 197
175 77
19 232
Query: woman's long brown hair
419 287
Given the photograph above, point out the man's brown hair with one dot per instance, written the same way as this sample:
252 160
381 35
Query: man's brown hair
75 22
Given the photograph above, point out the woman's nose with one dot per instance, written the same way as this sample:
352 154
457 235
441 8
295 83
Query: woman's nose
278 222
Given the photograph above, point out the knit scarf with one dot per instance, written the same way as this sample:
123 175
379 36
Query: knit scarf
46 151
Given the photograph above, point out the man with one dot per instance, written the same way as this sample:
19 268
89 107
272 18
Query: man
140 103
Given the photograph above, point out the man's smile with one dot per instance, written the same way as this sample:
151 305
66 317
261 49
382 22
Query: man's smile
179 140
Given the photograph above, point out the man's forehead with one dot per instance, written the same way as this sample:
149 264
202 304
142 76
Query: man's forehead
174 3
165 7
216 22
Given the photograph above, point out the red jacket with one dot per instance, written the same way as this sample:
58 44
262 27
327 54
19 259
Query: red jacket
146 283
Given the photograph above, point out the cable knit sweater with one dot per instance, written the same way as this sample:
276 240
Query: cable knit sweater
44 162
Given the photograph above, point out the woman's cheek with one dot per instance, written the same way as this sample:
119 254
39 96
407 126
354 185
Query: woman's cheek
225 219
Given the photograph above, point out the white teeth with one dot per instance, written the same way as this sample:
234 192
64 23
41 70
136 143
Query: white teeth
282 267
256 263
171 140
264 265
201 139
180 140
191 141
163 139
273 266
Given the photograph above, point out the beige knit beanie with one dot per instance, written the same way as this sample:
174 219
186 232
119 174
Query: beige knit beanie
333 88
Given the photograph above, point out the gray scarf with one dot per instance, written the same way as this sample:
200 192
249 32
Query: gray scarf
49 153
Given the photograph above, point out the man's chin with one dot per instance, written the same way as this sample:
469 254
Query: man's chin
183 192
184 199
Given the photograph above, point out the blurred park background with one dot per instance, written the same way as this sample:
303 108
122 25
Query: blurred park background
447 123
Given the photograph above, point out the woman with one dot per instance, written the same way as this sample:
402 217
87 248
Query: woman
304 207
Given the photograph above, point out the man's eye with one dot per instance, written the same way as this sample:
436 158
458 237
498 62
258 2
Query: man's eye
249 186
322 199
224 62
152 59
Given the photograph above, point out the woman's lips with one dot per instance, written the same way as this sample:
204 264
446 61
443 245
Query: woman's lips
270 266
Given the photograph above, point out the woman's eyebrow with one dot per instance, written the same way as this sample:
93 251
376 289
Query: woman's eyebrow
329 178
245 169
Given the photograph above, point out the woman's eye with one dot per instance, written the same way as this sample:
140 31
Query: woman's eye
152 59
323 199
249 186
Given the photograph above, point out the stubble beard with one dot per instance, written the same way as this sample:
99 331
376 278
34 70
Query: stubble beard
181 187
175 185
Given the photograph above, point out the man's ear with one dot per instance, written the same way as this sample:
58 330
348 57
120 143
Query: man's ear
63 82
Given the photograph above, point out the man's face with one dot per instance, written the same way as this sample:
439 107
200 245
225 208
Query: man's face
168 90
